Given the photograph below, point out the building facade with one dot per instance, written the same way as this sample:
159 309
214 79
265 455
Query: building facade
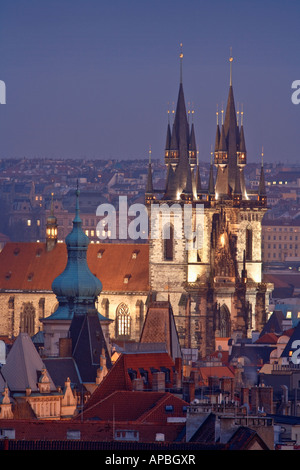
215 287
280 240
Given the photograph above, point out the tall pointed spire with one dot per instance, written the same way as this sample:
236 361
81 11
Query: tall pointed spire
217 139
231 132
211 185
149 187
192 146
262 186
171 187
198 186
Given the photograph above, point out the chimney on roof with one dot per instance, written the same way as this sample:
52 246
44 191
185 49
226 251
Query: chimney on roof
178 372
188 389
138 384
65 347
158 382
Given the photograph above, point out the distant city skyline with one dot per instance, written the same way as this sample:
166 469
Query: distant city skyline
93 79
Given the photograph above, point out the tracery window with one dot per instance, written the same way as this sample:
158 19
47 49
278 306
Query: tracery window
123 320
27 318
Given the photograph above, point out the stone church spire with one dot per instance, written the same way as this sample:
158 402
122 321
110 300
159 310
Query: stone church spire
231 152
180 150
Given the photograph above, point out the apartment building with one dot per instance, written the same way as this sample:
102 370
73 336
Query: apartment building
280 240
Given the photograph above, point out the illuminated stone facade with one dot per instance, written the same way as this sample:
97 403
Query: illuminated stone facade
215 289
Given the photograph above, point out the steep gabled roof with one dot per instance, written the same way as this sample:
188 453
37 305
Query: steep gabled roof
160 327
23 366
87 344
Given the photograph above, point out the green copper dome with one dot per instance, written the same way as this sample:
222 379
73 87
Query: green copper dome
76 284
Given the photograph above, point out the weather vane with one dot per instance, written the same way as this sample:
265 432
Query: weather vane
181 57
231 60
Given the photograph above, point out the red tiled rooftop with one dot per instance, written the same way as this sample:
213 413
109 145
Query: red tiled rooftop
136 406
268 338
119 379
215 371
109 262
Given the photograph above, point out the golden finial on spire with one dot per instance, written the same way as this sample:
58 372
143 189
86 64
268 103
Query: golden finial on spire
150 152
222 112
173 110
238 113
217 114
230 60
168 111
262 156
211 154
242 114
51 206
181 57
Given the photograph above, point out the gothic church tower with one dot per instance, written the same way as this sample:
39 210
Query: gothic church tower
212 273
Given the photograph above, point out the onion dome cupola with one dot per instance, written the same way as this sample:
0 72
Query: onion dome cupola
77 288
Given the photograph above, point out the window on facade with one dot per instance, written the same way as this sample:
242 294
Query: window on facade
105 307
27 318
225 325
249 244
168 238
123 320
42 307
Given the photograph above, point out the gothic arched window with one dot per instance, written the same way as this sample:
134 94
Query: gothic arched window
224 322
123 320
249 244
168 240
27 319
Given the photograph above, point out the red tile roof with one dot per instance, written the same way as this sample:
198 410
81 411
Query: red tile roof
109 262
92 431
283 280
215 371
139 406
118 377
159 327
268 338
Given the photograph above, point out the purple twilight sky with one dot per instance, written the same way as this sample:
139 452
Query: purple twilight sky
93 78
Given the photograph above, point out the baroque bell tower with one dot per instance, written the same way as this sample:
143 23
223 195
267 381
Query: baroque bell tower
205 244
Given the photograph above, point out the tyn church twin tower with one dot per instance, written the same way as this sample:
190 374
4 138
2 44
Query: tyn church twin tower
216 290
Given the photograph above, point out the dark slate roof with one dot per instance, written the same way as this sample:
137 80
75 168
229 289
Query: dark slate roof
274 324
243 438
62 368
87 343
206 431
